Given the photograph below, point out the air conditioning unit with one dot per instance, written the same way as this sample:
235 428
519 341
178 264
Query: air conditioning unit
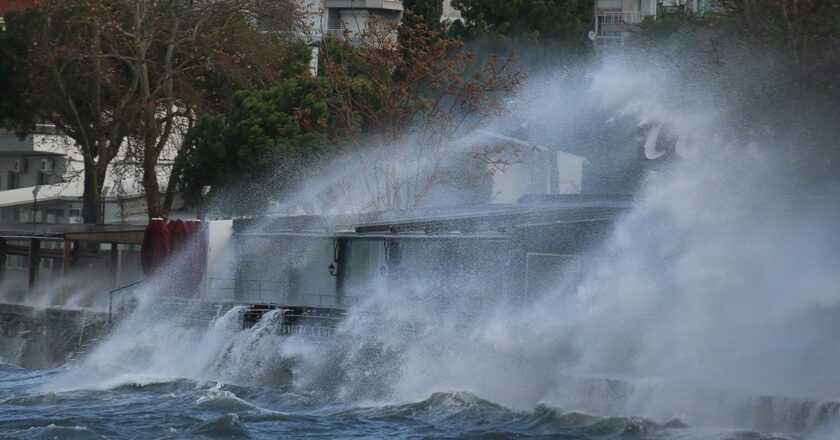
47 165
19 166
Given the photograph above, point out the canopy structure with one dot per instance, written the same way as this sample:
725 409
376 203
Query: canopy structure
156 246
35 233
177 249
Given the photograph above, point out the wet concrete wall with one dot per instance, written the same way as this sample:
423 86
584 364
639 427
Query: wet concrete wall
38 338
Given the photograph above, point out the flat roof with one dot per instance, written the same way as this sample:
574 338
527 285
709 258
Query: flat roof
126 234
529 210
460 219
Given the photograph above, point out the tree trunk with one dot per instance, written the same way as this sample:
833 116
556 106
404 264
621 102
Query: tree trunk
171 186
92 196
151 187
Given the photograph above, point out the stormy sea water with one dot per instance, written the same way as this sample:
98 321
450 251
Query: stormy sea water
191 409
198 409
209 409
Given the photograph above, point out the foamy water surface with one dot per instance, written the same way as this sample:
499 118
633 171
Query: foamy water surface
200 409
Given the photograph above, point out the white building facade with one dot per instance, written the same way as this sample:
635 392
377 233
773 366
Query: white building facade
332 18
615 20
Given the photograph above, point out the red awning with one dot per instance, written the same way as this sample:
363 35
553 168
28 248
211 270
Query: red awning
182 246
155 246
179 236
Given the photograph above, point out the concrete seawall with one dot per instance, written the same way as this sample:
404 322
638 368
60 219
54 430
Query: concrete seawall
37 338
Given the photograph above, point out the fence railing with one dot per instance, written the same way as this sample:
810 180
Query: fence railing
623 17
274 291
311 315
122 292
303 321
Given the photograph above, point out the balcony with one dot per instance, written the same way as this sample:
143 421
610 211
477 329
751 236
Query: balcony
354 37
622 17
389 5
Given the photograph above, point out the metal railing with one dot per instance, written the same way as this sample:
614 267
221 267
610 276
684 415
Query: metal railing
128 288
394 5
77 339
354 37
624 17
275 291
302 321
311 315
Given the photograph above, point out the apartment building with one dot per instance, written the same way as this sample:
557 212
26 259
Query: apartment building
353 15
332 18
616 20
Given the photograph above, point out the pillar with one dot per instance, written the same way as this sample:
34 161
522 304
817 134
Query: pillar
34 260
115 263
65 264
2 258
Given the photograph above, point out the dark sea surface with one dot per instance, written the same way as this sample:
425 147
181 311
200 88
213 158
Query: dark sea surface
195 409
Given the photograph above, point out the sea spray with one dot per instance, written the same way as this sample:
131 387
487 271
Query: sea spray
716 288
714 299
152 346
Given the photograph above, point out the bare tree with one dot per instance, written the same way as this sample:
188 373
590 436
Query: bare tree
190 57
63 76
105 72
411 98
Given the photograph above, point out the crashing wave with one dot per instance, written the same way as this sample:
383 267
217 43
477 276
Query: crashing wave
227 426
463 409
456 408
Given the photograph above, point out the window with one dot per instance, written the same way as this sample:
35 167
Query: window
11 214
13 180
54 216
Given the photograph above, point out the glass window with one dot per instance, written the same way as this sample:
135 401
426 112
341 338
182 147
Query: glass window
12 180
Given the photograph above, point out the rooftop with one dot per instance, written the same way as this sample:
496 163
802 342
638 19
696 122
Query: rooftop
129 234
472 219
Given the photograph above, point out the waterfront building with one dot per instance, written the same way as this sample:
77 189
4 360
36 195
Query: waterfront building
317 266
530 168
